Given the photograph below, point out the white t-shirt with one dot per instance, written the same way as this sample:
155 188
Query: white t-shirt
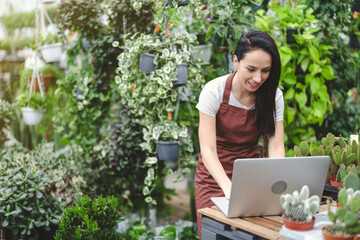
212 95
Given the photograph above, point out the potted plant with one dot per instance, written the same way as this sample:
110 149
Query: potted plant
346 218
50 47
299 209
7 113
24 204
90 219
48 73
32 107
167 137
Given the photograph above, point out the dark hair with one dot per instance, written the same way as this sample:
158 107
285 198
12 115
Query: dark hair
265 95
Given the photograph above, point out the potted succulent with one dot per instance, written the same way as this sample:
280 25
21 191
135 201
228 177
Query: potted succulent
32 107
24 204
346 218
51 47
299 209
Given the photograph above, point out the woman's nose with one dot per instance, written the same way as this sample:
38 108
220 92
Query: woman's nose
257 77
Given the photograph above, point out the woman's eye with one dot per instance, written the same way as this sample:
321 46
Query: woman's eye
266 71
251 70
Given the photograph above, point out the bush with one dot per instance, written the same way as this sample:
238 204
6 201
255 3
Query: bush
89 219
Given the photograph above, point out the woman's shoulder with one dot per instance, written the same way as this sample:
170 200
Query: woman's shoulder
279 93
216 85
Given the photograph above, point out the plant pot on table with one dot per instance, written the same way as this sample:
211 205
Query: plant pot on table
167 151
32 116
51 52
328 236
147 64
298 226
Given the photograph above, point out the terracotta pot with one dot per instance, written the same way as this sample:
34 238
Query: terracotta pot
327 236
47 82
298 226
335 184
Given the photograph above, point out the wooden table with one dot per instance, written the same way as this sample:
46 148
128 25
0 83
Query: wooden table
216 226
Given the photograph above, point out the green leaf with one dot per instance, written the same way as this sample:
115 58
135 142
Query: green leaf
301 98
305 64
327 72
314 53
290 93
315 84
314 69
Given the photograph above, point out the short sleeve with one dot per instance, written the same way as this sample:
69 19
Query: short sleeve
279 102
209 99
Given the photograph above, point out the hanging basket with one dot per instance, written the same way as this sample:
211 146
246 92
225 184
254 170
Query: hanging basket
167 151
51 52
32 116
147 64
47 82
182 75
202 52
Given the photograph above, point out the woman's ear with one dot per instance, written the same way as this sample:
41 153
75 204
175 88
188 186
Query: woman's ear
236 63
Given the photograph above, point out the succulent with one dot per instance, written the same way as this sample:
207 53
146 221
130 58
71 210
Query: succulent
347 217
351 180
300 207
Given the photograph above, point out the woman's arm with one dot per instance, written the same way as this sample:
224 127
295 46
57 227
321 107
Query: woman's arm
276 142
207 138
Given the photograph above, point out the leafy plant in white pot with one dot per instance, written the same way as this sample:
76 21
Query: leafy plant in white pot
32 107
51 47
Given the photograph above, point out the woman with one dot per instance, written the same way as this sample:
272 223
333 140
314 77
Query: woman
235 111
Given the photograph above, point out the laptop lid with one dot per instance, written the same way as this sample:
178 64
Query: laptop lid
257 183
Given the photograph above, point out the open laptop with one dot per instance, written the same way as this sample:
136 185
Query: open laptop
257 183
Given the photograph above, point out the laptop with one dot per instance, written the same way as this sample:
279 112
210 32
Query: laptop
257 184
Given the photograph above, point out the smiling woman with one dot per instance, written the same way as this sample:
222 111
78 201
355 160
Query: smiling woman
235 111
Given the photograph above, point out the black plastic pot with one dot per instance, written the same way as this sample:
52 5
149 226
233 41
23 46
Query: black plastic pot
354 41
179 2
356 6
182 75
167 151
147 64
331 191
289 35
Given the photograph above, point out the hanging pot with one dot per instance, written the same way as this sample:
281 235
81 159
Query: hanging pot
32 116
202 53
46 80
167 151
51 52
298 226
180 3
182 75
147 64
354 41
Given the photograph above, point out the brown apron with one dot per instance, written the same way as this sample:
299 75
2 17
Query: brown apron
236 137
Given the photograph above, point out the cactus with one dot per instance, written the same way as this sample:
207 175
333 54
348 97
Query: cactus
298 206
302 149
347 216
351 180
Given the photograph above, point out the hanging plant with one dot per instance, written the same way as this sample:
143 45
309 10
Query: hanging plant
152 96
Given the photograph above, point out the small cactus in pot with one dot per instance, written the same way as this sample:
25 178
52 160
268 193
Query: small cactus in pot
299 209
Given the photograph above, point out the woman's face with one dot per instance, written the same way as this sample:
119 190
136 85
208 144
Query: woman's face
254 69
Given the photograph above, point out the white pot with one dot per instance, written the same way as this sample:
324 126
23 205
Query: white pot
51 52
202 52
32 116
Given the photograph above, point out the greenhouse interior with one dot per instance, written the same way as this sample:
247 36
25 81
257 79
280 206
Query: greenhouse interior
104 105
